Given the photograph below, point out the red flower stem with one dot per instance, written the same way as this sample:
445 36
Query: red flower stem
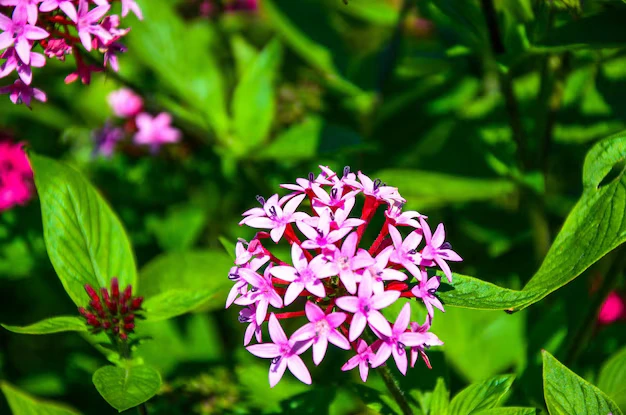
279 281
60 19
379 239
407 294
291 314
293 238
330 306
369 209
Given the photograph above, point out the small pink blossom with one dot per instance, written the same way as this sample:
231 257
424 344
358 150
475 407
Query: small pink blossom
19 93
155 131
284 354
437 250
405 251
426 290
15 176
365 308
17 32
321 329
65 5
428 339
87 23
362 360
125 103
276 218
612 309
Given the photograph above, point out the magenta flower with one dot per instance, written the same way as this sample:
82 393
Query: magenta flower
428 339
87 23
336 198
321 329
19 93
612 309
125 103
26 9
436 250
106 139
321 237
131 5
262 291
13 62
18 33
65 5
303 274
426 290
347 263
304 185
396 343
380 273
362 360
398 218
156 131
57 48
376 189
365 308
284 354
16 186
248 315
405 251
276 218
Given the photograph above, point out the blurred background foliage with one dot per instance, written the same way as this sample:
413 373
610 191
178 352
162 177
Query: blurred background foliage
480 112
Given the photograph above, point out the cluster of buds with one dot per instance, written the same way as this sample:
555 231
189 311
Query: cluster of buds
145 129
113 312
16 176
59 28
340 288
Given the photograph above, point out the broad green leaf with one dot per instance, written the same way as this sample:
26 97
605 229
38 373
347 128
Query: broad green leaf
180 228
612 378
298 142
254 102
126 387
498 335
199 272
24 404
85 240
428 189
480 396
244 53
566 393
174 303
195 78
282 15
373 11
508 411
594 227
51 325
440 399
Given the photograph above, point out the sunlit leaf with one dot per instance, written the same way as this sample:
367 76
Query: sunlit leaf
126 387
50 325
23 404
480 396
612 378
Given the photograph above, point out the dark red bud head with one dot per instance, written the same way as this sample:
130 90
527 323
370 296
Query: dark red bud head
136 305
123 336
92 293
128 292
106 325
129 326
83 312
116 329
124 309
115 288
93 322
96 305
129 318
105 294
115 321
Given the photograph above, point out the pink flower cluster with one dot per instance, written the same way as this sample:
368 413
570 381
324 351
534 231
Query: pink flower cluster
59 28
146 129
16 176
342 287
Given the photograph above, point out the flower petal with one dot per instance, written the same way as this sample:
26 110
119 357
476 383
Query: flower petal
265 350
299 370
358 325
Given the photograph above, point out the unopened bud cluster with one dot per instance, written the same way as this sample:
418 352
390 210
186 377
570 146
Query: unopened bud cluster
113 312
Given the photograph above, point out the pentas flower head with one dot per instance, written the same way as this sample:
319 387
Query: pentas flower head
58 28
112 311
337 288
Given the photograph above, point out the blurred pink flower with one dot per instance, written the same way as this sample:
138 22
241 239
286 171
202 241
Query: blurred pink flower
125 103
155 131
19 92
15 176
612 310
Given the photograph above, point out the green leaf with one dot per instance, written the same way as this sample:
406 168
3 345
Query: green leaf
508 411
244 54
440 399
85 240
612 378
567 393
594 227
125 388
201 273
50 325
24 404
174 303
180 228
602 30
373 11
428 189
480 396
298 142
254 101
195 78
500 337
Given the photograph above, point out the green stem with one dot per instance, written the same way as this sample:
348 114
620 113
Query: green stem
142 409
394 388
588 324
